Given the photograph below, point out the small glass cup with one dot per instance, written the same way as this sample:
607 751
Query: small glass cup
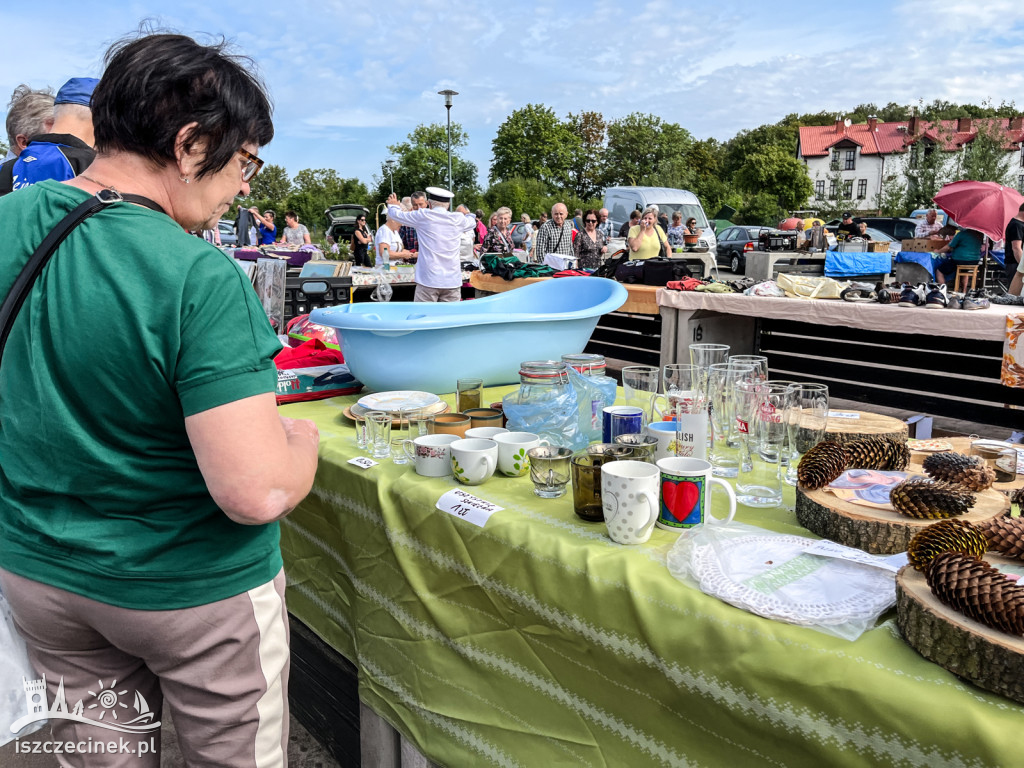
469 393
549 470
379 440
586 486
999 455
418 422
364 435
643 446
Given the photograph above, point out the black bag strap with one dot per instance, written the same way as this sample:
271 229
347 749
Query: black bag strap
27 278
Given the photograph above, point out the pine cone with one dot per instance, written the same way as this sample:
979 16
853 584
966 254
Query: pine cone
1005 535
821 465
882 453
930 500
969 471
978 591
945 536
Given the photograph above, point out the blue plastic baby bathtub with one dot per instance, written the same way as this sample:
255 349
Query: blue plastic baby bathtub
427 346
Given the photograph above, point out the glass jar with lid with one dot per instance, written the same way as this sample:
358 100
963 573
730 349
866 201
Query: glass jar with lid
595 390
544 404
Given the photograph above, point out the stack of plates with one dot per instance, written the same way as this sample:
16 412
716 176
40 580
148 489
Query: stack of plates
396 401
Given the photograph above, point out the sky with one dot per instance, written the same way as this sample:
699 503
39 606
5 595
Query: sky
349 79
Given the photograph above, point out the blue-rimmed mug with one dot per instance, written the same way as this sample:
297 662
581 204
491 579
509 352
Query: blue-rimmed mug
621 420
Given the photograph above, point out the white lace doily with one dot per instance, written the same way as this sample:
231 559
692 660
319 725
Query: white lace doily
772 577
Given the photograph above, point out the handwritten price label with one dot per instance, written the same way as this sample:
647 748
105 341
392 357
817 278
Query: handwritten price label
363 462
471 508
825 548
843 415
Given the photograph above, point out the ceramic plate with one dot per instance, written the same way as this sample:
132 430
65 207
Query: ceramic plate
356 411
929 446
397 400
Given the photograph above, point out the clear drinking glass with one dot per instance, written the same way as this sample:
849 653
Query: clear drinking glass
706 355
760 363
364 435
786 453
401 430
807 423
640 384
469 393
722 379
379 440
768 405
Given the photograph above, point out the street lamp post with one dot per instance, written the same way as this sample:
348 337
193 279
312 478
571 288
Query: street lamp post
389 165
448 93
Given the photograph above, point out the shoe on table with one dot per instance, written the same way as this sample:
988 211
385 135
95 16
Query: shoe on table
976 300
955 301
912 297
887 294
936 297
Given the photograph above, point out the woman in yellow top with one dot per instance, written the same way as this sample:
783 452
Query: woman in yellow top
647 240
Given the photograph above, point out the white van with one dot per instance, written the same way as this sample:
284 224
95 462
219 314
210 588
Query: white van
621 201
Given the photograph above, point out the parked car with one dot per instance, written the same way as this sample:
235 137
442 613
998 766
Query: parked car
734 243
341 220
519 230
894 226
227 232
621 201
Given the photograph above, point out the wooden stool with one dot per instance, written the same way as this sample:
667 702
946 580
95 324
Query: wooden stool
966 273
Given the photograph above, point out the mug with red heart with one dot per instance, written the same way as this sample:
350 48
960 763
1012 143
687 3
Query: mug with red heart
686 494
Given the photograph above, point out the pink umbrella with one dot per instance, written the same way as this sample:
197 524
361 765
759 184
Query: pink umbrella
981 205
793 223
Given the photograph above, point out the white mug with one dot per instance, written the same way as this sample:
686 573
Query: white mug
512 448
488 433
629 499
665 431
429 454
473 459
686 494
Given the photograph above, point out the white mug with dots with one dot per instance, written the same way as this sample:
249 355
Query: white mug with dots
629 498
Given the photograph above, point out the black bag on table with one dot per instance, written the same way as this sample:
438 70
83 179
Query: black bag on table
660 270
631 271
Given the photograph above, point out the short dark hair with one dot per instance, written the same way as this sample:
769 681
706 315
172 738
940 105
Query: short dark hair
634 214
418 195
294 215
157 84
589 211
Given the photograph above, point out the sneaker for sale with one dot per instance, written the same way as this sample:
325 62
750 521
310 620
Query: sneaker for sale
955 301
912 297
976 300
936 298
887 294
1008 299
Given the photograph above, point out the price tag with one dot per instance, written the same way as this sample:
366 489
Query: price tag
825 548
363 462
843 415
467 506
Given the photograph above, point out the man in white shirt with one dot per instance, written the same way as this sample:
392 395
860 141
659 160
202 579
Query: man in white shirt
929 225
438 268
388 236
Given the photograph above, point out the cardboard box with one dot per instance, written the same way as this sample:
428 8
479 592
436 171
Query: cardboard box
879 247
921 245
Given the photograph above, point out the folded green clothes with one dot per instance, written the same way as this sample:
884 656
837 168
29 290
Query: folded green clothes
510 268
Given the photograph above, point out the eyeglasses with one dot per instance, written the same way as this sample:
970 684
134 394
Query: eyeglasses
252 167
590 221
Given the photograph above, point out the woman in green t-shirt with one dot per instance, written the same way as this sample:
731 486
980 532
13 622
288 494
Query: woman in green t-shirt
647 239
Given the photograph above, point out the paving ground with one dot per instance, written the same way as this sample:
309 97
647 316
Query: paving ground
303 750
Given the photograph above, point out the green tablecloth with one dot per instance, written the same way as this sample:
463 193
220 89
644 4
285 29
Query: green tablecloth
537 641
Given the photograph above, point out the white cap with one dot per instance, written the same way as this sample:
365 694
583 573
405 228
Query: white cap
439 195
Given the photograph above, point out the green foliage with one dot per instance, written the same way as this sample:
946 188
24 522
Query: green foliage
759 208
586 169
643 148
745 143
3 148
533 143
775 172
422 161
839 201
985 158
270 187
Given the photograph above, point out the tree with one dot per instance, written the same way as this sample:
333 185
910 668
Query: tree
533 143
744 143
585 171
642 146
985 158
270 187
422 161
3 148
759 208
316 190
774 172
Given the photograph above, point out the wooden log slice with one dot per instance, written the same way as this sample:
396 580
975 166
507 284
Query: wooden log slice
867 425
987 657
878 531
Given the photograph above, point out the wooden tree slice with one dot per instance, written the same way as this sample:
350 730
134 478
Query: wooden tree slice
979 654
867 425
879 531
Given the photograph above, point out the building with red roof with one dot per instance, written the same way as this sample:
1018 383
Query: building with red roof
866 153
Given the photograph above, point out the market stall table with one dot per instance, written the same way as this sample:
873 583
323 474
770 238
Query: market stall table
929 361
765 265
534 640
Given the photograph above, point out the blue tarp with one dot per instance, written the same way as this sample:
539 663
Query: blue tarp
849 264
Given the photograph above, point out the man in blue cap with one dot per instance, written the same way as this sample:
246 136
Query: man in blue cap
64 152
